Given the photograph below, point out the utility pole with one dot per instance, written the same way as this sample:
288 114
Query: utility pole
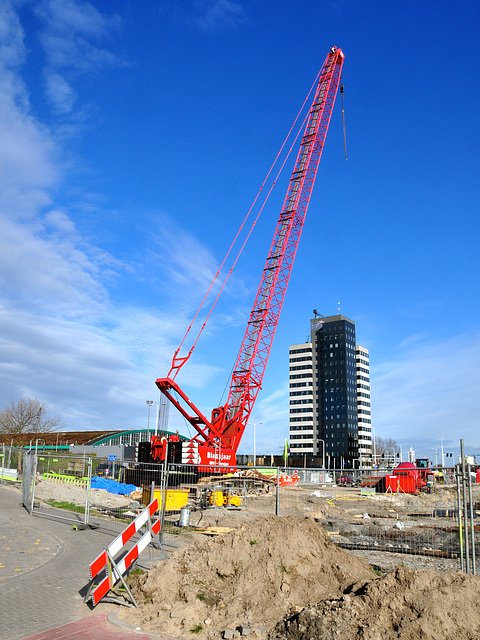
149 403
443 457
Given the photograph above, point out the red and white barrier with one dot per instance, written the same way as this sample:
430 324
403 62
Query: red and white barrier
116 570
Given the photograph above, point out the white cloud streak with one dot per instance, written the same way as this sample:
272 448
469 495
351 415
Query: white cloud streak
62 337
209 16
59 93
219 15
72 36
430 391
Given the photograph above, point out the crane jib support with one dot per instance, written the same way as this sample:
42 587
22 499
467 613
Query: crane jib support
229 422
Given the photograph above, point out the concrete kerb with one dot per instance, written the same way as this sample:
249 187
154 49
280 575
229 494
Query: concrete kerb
114 619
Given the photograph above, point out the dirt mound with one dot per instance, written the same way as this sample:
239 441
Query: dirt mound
403 605
49 490
253 576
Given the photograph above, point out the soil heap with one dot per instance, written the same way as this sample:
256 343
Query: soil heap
253 576
405 604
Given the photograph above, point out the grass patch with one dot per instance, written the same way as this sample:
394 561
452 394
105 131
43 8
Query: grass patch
252 542
136 572
68 506
201 596
196 629
172 529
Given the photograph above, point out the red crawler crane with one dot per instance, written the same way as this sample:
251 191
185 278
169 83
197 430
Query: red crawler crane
217 440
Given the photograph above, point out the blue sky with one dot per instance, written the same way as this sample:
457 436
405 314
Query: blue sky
134 139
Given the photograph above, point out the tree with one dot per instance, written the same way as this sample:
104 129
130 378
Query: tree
28 416
387 447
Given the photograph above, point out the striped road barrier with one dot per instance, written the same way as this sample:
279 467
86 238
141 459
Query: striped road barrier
115 569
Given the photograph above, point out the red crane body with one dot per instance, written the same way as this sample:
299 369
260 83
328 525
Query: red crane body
217 440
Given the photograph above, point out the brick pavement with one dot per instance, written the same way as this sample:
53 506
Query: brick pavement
96 628
43 577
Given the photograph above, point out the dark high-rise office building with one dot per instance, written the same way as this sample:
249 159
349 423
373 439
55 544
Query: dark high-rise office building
324 407
336 394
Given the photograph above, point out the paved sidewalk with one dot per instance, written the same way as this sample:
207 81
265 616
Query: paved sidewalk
43 577
93 628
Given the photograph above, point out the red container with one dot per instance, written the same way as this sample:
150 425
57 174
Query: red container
403 482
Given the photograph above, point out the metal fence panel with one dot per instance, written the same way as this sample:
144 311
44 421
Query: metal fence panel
361 509
10 464
28 481
374 510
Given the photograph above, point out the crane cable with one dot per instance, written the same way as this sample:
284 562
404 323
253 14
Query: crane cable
343 116
182 361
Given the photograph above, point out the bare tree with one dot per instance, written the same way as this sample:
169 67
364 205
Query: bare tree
28 416
387 447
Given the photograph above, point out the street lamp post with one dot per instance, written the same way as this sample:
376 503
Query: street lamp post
392 449
323 451
157 412
160 419
255 442
36 445
443 457
149 403
374 449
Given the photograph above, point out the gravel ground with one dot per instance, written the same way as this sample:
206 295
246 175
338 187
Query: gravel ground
386 561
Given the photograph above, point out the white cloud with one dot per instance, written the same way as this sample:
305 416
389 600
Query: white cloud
59 221
429 392
27 168
76 367
26 156
219 14
74 16
12 49
61 337
59 93
187 262
49 273
72 37
208 15
271 416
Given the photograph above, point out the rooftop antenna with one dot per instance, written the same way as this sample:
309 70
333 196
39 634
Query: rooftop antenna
315 313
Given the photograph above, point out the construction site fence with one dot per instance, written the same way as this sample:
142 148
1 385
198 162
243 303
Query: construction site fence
437 521
10 463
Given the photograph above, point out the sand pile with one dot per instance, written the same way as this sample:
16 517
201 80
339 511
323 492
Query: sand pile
49 490
253 576
406 604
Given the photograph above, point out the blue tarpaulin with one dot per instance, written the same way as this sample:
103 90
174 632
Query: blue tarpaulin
112 486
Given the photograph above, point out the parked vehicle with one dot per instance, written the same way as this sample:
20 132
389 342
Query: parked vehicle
345 480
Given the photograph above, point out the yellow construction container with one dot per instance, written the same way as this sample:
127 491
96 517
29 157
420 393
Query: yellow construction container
176 498
217 499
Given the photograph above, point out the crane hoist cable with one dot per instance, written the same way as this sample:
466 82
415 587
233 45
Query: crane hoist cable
178 362
343 117
220 435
